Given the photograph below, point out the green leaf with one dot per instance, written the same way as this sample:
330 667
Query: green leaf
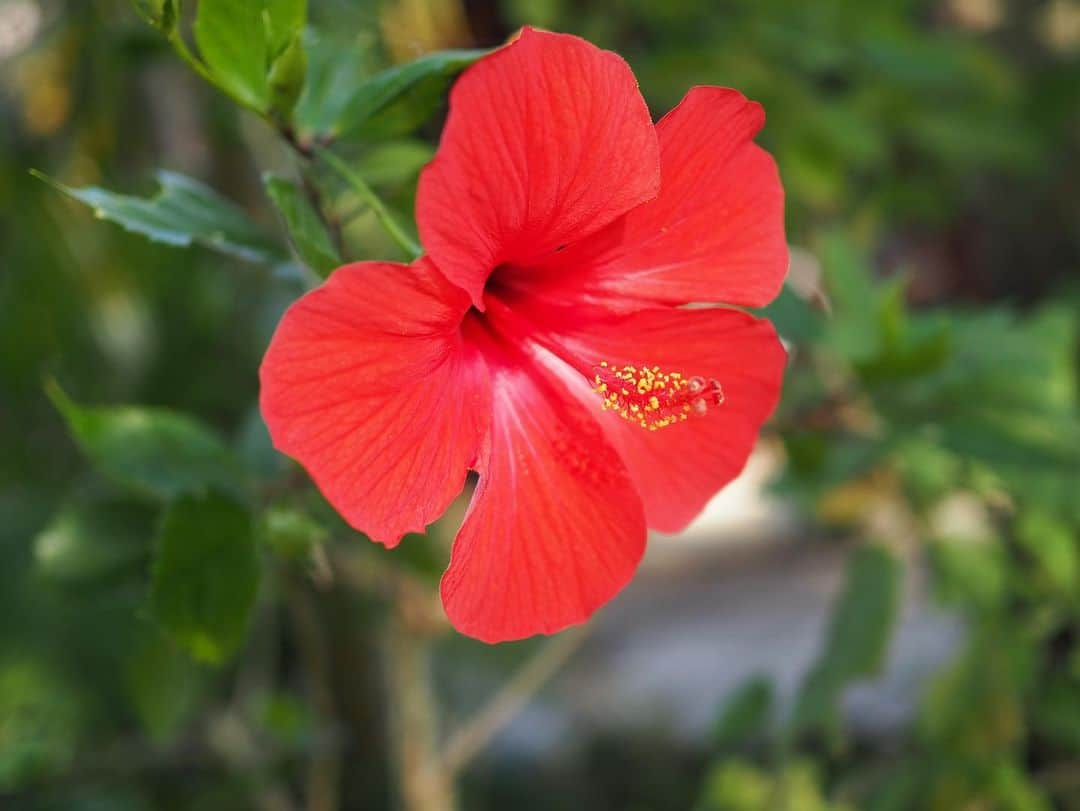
39 723
1053 547
334 67
162 14
86 542
255 449
206 574
287 79
154 451
400 98
795 318
184 212
858 637
394 162
233 42
976 706
306 230
291 533
853 331
285 19
970 576
164 685
746 714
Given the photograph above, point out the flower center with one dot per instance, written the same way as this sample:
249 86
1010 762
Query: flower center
653 398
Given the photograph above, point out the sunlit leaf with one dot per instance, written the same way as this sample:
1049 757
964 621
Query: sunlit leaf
394 162
286 79
233 42
284 20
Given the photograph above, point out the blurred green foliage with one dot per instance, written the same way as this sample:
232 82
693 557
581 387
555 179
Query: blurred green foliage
931 156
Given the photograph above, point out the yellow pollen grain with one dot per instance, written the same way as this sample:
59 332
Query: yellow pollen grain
646 395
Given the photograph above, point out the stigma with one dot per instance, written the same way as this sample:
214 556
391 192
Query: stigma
653 398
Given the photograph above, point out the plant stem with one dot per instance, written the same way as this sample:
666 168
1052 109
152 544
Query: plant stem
472 737
424 784
363 190
324 768
182 50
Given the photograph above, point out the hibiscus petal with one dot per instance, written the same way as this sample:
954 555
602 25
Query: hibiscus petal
677 469
716 231
547 141
555 528
369 385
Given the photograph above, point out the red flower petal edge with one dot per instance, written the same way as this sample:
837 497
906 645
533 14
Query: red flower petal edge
369 384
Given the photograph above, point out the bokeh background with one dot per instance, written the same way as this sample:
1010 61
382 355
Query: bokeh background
883 613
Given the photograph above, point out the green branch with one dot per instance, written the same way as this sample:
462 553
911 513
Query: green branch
364 191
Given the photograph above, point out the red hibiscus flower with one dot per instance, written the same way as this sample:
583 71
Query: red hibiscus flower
540 342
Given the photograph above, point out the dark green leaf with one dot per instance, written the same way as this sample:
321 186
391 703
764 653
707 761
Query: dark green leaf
164 685
161 14
306 230
232 39
795 318
155 451
853 330
184 212
334 68
746 714
256 450
858 636
39 723
400 98
89 541
206 574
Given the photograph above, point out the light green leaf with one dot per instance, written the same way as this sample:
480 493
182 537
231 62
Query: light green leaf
394 162
306 230
285 19
291 533
287 79
858 637
152 450
400 98
184 212
233 42
206 574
